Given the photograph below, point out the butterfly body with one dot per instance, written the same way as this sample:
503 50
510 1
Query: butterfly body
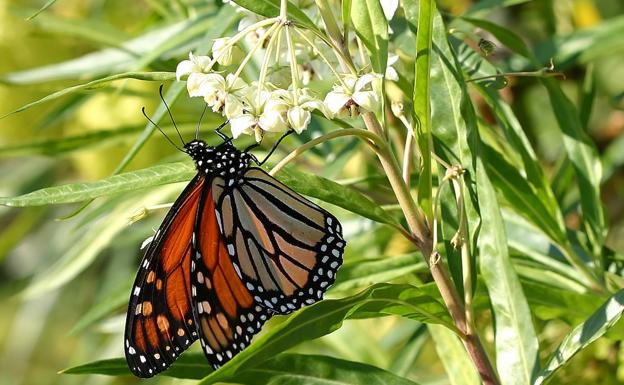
236 248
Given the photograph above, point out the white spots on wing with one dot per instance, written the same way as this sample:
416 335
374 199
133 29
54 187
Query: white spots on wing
137 290
147 242
238 272
131 350
219 220
142 358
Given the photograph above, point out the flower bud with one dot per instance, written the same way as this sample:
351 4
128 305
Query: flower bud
225 54
298 118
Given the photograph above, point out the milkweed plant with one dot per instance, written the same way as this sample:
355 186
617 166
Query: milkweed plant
438 163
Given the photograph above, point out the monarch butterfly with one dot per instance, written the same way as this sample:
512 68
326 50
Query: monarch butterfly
236 247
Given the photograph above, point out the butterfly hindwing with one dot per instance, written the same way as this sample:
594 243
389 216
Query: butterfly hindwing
286 248
160 323
226 313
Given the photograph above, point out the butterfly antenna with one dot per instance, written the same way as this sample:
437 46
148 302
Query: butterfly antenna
160 91
272 149
226 139
200 120
160 129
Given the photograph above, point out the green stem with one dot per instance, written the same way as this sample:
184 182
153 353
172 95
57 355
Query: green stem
463 235
239 36
259 43
293 66
367 136
323 57
333 31
267 59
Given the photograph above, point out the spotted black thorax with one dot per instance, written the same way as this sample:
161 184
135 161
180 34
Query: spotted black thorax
225 160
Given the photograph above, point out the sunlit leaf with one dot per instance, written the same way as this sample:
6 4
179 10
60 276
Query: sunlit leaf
371 26
326 316
360 273
459 368
95 84
299 369
583 335
130 181
271 8
189 365
516 341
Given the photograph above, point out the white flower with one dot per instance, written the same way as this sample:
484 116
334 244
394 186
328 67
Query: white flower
353 94
223 95
194 64
391 73
225 55
300 112
263 111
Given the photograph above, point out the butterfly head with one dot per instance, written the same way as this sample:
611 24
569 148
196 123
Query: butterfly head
224 160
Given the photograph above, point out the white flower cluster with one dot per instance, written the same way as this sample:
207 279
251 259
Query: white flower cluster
269 104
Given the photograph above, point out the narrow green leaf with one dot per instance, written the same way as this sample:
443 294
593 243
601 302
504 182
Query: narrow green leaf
332 192
454 131
371 26
104 62
130 181
346 17
299 369
459 368
588 96
271 8
189 365
43 8
95 84
584 157
521 195
516 342
327 316
405 358
583 335
550 302
421 100
359 273
504 35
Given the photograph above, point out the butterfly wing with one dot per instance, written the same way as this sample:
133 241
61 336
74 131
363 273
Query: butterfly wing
285 248
160 323
226 313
